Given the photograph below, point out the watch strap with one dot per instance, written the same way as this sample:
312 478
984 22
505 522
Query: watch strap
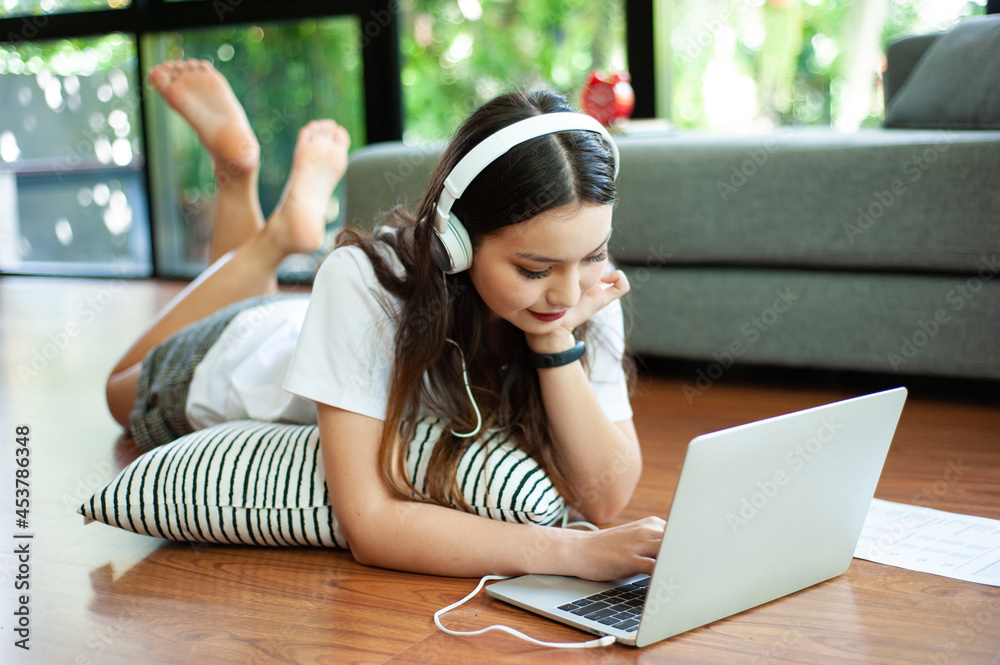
549 360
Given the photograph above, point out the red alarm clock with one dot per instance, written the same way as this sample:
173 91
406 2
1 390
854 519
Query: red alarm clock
608 97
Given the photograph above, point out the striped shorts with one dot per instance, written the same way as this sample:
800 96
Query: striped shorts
158 413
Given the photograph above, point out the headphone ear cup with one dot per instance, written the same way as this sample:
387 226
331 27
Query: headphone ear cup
439 254
452 249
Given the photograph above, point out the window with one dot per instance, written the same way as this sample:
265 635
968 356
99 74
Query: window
71 159
751 65
286 74
461 53
82 137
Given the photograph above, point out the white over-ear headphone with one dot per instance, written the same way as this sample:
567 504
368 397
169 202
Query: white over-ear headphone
453 252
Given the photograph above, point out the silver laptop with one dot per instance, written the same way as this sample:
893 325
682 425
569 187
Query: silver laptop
761 510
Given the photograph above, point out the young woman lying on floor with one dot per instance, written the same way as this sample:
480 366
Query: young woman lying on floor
505 324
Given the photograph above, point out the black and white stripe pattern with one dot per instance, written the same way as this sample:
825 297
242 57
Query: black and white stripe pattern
241 482
256 483
497 479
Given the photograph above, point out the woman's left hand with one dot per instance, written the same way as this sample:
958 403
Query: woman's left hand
610 287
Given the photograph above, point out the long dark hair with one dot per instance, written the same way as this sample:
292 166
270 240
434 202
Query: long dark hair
571 167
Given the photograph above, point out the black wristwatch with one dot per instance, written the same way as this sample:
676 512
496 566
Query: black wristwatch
548 360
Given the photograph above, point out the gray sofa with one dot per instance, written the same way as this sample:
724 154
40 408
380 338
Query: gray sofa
876 250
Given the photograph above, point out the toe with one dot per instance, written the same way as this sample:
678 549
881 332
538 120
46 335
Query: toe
159 76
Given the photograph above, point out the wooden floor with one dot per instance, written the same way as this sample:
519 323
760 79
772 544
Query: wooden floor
103 596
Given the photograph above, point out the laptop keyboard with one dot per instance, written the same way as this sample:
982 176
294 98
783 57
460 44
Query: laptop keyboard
616 608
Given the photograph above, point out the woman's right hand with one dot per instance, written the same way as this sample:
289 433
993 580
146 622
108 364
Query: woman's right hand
618 551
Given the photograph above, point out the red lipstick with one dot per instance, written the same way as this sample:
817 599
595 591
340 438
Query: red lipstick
554 316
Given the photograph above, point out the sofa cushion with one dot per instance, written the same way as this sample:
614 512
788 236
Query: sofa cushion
901 57
954 85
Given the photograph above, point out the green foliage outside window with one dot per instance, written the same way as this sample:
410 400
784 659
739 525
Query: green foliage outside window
742 64
458 54
10 8
285 75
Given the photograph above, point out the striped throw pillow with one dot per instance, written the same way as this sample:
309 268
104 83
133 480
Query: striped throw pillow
256 483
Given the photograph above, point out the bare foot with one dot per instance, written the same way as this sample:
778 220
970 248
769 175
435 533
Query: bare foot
202 96
299 221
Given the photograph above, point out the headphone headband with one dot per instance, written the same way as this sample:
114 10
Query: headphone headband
499 143
453 251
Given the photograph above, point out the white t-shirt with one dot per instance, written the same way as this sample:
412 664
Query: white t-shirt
339 351
241 375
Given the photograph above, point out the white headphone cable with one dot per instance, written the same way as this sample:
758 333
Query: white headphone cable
600 642
468 391
607 640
